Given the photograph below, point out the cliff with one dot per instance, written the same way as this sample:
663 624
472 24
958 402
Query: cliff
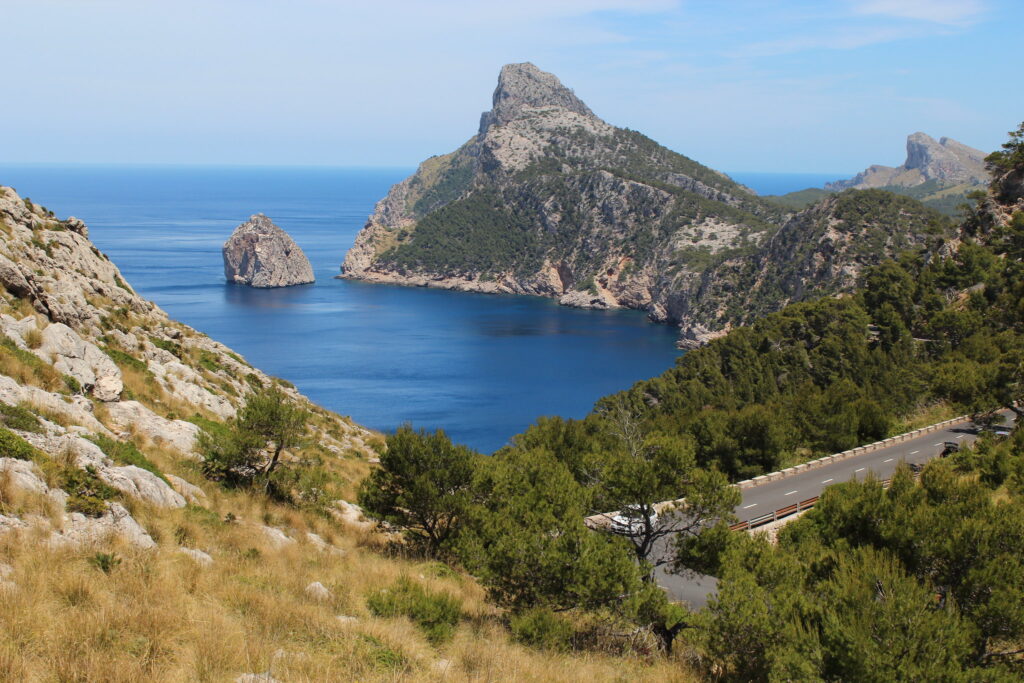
260 254
548 199
944 161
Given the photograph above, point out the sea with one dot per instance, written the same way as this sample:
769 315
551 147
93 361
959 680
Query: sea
481 367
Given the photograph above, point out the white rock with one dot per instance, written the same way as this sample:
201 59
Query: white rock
317 591
198 556
143 485
23 475
108 388
80 359
257 678
277 538
350 514
177 434
6 571
346 619
80 530
192 493
76 411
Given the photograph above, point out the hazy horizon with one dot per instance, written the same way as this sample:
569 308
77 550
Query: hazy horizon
799 87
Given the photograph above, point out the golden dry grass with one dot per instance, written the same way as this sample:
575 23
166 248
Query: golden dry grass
160 616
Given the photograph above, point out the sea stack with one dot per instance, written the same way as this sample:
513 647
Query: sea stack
260 254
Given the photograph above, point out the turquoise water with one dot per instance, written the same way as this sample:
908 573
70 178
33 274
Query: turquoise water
481 367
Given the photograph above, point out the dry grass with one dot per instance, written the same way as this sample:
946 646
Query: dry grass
159 616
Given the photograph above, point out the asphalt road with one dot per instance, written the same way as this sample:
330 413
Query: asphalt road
770 496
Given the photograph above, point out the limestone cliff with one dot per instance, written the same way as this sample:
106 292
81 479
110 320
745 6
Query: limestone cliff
548 199
938 173
819 251
260 254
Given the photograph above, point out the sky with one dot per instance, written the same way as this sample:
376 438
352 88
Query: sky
822 86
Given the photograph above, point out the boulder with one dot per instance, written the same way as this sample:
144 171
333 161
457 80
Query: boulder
197 556
317 591
177 434
260 254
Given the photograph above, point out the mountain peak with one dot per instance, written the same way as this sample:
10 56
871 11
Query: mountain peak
523 86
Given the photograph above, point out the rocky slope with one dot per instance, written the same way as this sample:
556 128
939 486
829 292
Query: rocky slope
819 251
119 561
260 254
548 199
88 369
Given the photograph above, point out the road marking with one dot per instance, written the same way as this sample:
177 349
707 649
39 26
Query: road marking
860 470
914 452
747 507
791 493
826 481
960 437
889 460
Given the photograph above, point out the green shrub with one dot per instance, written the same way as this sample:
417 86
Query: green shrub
105 562
167 345
72 384
88 494
13 446
125 453
543 629
16 417
436 614
125 360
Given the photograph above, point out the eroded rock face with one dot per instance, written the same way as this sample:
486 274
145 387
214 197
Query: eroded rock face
570 207
944 161
260 254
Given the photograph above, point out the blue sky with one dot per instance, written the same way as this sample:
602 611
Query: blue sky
741 85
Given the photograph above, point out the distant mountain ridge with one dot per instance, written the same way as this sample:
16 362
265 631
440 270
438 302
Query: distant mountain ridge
945 161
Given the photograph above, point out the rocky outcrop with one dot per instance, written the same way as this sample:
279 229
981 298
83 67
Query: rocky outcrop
819 251
85 362
944 161
548 199
260 254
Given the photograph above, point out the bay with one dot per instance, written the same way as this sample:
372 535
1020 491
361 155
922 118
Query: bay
481 367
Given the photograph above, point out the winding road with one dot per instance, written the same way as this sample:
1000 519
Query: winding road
769 496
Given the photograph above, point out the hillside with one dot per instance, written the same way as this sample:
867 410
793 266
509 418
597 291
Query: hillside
548 199
918 578
143 535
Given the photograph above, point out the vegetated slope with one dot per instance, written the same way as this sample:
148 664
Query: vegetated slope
548 199
920 581
127 553
819 251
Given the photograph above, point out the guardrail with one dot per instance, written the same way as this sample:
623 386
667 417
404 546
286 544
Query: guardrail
859 450
782 513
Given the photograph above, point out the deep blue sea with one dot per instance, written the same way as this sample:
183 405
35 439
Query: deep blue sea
482 367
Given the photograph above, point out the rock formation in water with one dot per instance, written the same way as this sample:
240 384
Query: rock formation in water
260 254
945 161
548 199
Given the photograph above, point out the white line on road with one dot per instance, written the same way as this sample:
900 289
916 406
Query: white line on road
914 452
860 470
960 437
826 481
791 493
889 460
937 444
747 507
